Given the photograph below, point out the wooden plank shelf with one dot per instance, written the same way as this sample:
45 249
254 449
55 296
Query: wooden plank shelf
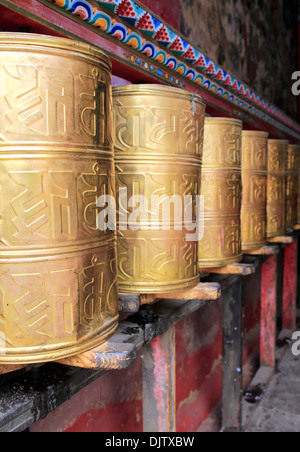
130 303
267 250
283 240
245 268
121 350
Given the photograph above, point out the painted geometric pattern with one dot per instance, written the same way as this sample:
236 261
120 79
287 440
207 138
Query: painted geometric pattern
170 49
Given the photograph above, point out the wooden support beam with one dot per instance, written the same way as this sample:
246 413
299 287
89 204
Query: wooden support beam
130 303
268 316
159 407
289 302
248 267
284 239
232 358
203 292
268 250
118 353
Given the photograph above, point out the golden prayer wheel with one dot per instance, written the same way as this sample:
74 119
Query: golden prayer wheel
277 151
254 185
221 189
158 150
58 272
292 168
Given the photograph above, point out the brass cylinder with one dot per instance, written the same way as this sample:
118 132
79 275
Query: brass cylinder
254 189
158 150
292 169
277 151
221 190
58 273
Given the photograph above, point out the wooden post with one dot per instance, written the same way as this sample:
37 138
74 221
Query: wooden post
289 303
159 384
268 312
232 357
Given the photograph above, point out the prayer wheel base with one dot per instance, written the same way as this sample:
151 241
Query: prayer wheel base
158 288
43 356
249 248
284 239
207 267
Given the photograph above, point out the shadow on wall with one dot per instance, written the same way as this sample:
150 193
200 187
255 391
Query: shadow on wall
255 40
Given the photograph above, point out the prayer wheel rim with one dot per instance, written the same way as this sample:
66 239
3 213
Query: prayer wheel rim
36 40
150 89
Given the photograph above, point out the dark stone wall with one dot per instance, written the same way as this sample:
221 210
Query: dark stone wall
255 40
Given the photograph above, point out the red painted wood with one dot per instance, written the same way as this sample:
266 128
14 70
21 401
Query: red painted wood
166 10
268 312
158 383
251 325
199 342
289 302
112 403
14 22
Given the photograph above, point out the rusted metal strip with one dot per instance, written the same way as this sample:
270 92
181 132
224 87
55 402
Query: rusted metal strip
159 384
268 312
232 358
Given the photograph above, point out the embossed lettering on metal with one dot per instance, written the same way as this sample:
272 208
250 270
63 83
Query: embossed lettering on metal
158 150
254 186
292 185
221 188
276 191
58 272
